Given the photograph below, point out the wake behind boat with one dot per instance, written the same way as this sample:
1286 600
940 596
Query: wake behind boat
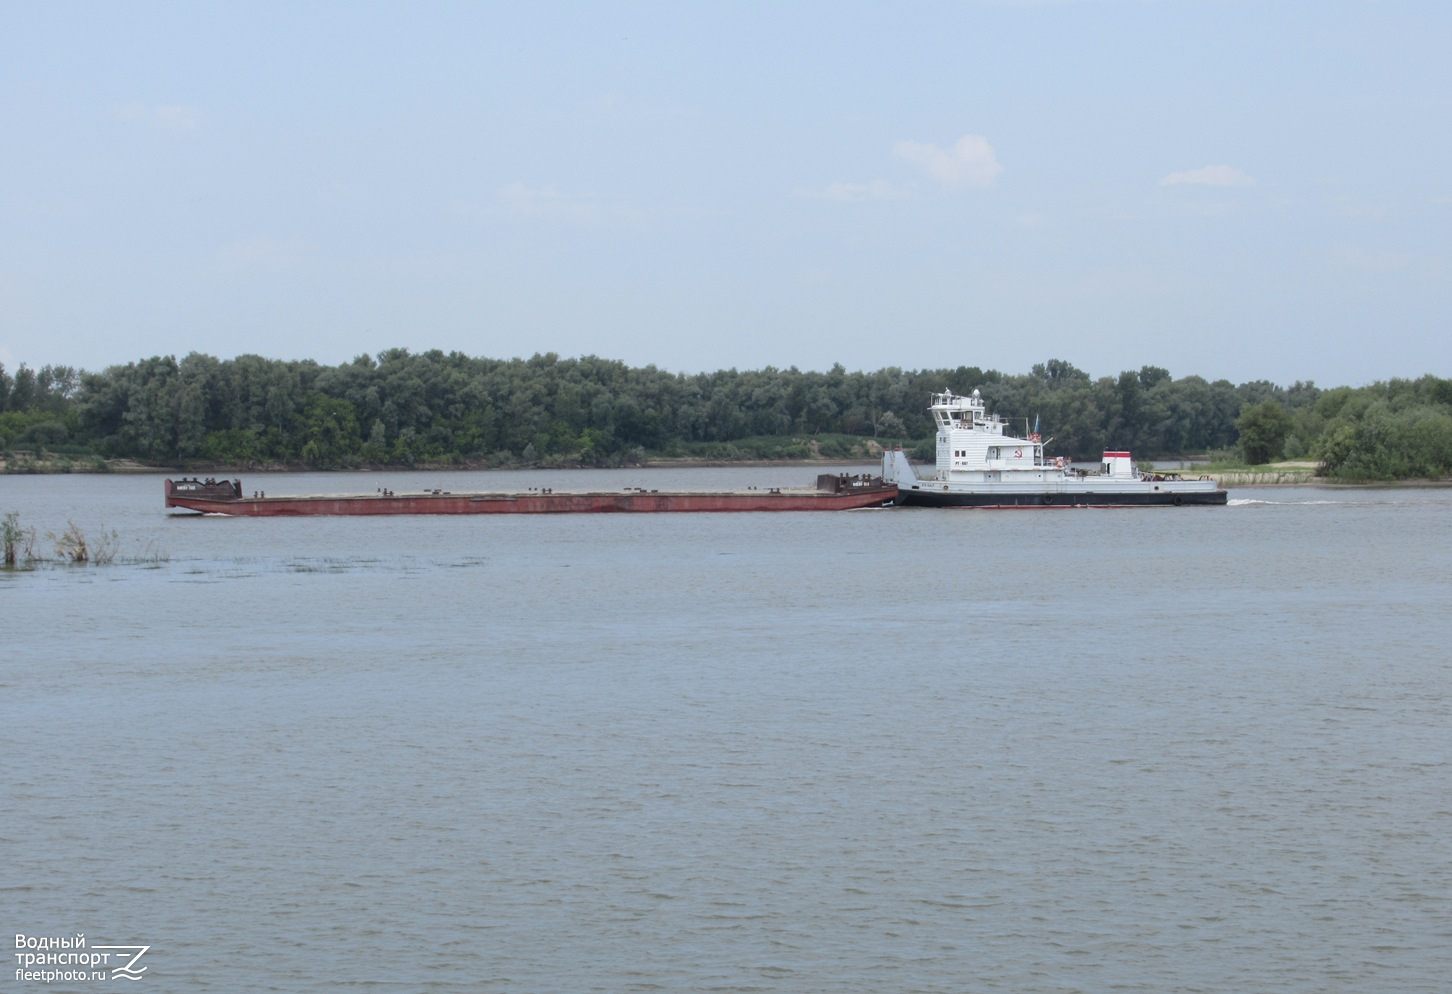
980 465
833 492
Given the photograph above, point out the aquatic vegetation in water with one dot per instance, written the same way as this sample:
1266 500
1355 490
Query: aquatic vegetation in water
71 547
16 543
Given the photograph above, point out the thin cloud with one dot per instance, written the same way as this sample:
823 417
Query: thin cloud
1209 176
269 255
1360 211
164 117
1347 256
854 192
552 203
970 162
427 268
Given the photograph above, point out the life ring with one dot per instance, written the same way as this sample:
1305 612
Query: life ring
1018 453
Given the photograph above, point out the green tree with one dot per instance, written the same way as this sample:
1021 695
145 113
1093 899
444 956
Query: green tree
1057 372
329 429
1263 429
22 389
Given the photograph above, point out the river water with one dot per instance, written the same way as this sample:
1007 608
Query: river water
1198 749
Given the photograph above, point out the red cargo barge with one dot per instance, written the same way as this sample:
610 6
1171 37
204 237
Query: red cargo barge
833 492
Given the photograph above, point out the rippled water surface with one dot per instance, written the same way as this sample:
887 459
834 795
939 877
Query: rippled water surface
898 750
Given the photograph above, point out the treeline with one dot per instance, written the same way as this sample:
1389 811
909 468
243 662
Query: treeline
434 408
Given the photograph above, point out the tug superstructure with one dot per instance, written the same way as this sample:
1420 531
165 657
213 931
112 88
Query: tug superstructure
981 464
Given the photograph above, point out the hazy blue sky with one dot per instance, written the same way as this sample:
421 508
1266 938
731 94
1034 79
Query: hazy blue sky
1234 189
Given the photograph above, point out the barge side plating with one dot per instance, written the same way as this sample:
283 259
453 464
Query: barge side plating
833 492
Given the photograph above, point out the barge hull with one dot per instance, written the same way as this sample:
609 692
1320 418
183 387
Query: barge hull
537 502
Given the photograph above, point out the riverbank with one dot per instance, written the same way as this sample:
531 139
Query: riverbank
1302 473
1269 478
1292 473
51 466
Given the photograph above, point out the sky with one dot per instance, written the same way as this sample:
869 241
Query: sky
1236 189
